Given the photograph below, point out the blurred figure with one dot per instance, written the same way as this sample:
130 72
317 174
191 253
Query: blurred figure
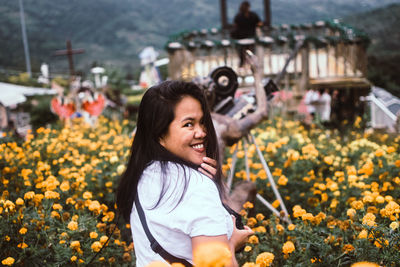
311 100
244 26
325 100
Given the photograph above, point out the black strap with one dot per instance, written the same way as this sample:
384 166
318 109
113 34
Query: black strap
155 246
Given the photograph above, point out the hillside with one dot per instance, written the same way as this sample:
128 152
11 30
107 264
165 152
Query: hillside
113 32
384 52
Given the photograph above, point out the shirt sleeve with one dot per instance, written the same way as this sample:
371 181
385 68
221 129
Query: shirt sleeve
201 211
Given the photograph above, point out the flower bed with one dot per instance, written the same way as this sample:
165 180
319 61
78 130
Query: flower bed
57 201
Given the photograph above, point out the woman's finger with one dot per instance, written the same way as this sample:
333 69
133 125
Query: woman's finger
212 170
210 161
205 173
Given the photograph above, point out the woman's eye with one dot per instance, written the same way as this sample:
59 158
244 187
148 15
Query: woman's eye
188 124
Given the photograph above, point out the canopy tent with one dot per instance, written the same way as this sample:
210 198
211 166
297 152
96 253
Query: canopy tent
12 94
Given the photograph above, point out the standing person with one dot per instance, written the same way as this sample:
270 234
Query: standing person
311 100
244 26
325 104
175 174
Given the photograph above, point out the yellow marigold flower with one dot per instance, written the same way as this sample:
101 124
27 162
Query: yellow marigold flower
348 248
282 180
19 201
23 230
291 227
379 152
369 219
390 149
73 258
280 227
394 225
29 195
307 216
103 239
363 234
108 184
93 235
51 195
251 222
397 163
55 214
75 244
364 264
96 246
22 245
380 199
275 204
64 186
253 239
57 206
120 169
351 212
7 238
260 217
75 217
265 259
247 248
87 195
62 242
212 254
356 204
248 205
288 247
250 264
70 200
260 229
8 261
328 160
36 154
72 225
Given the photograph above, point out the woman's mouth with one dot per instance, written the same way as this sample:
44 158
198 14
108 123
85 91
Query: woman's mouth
199 147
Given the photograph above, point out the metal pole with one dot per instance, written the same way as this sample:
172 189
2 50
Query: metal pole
25 39
234 159
270 178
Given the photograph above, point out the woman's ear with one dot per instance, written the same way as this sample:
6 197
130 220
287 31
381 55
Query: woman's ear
161 141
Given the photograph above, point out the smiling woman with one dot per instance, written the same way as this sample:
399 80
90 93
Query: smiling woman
175 172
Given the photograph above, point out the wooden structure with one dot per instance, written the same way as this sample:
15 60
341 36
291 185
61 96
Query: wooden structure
332 55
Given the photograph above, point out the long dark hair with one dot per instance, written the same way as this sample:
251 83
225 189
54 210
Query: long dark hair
156 112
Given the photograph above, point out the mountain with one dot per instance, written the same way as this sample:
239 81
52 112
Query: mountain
382 25
113 32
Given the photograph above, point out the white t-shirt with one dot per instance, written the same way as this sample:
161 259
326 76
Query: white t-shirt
325 106
200 212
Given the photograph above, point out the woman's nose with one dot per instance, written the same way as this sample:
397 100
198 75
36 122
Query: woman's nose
199 132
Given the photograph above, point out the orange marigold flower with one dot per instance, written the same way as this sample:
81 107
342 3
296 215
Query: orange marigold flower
348 248
93 235
23 230
22 245
248 205
288 247
364 264
19 201
212 254
72 225
8 261
75 245
265 259
96 246
253 239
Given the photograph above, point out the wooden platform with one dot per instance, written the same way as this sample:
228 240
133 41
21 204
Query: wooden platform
340 82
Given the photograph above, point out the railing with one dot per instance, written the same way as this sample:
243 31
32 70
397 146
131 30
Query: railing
381 116
330 50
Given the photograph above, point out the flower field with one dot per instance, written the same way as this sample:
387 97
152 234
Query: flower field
342 192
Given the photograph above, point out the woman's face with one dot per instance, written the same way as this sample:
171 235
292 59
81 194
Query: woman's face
186 133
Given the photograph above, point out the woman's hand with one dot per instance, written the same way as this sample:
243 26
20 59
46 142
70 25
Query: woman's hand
239 237
208 167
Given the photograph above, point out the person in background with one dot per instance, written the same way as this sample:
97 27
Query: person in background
325 100
174 171
244 26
